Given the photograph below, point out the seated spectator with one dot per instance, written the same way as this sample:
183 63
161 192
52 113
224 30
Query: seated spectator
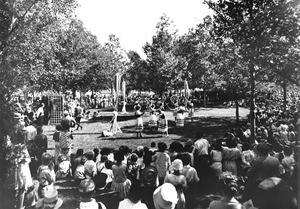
50 200
86 190
133 168
75 159
101 164
165 197
229 188
79 173
90 168
134 198
64 166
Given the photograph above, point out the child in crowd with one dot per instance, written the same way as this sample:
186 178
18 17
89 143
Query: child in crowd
120 182
108 171
86 190
162 161
97 155
288 161
45 174
75 159
64 165
79 171
133 168
90 168
153 148
101 164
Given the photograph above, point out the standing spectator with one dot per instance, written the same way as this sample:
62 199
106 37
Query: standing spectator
86 190
46 175
134 198
180 118
165 197
120 182
78 116
230 154
192 178
41 143
179 181
162 161
229 188
272 192
70 119
256 170
75 159
216 159
201 156
40 114
65 137
56 142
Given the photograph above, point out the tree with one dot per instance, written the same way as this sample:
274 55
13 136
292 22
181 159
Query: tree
259 26
164 65
22 46
200 49
137 72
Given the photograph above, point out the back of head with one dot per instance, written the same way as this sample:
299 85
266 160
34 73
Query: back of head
228 184
65 124
271 166
89 155
199 134
135 191
161 146
86 188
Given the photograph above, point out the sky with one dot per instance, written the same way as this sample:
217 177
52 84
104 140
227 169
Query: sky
134 21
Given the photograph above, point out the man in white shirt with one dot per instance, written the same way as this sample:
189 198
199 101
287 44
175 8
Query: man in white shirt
201 157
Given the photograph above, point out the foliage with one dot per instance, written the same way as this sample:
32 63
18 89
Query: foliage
164 66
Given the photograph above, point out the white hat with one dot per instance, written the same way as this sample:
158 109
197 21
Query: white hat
50 198
165 197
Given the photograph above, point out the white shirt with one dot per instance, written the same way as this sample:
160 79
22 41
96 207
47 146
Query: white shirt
127 204
91 205
202 146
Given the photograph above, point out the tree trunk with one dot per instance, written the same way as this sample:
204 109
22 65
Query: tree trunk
252 117
284 96
237 116
74 93
204 98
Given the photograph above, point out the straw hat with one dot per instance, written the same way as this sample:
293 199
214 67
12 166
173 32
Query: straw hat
165 197
50 199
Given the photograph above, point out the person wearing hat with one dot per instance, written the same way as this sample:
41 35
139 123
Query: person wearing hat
255 172
273 192
178 180
165 197
50 200
86 190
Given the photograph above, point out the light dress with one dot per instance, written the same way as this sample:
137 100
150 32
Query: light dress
216 165
179 182
127 204
229 157
120 182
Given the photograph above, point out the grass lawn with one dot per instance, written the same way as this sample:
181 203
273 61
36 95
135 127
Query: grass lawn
214 122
